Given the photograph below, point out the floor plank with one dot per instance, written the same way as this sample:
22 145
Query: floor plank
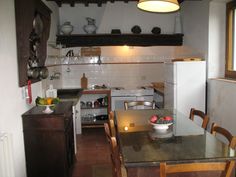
93 156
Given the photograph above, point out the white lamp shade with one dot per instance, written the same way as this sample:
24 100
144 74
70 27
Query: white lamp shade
158 5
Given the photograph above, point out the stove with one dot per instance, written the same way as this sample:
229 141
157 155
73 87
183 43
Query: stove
139 91
119 95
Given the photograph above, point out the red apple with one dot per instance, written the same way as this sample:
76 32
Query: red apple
154 118
168 118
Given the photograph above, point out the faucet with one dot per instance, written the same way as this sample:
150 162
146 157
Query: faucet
70 53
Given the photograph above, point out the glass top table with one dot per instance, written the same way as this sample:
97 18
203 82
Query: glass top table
183 142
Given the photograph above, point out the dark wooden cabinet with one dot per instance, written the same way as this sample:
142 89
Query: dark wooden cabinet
49 141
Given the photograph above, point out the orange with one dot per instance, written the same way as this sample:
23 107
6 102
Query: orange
49 100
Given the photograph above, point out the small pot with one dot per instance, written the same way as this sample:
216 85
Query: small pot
82 104
43 72
33 73
89 104
101 101
96 104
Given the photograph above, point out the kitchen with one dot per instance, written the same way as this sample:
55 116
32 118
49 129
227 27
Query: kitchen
198 33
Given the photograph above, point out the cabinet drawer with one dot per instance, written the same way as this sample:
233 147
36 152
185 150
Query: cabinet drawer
46 123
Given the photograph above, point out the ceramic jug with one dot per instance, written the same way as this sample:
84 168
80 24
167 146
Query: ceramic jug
66 28
90 28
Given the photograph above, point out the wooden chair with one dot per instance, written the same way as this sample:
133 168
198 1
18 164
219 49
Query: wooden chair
112 124
131 104
117 169
225 167
217 129
202 115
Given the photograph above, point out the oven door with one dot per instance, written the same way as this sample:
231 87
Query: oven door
117 102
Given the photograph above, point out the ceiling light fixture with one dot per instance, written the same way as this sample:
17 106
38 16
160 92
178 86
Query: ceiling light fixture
161 6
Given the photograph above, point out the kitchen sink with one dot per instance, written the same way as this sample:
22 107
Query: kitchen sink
69 93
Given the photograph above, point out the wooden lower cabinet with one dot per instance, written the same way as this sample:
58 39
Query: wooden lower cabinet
49 142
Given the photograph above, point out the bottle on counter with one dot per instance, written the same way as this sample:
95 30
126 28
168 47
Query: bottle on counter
51 92
84 82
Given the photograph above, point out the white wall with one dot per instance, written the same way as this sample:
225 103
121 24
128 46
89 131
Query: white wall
217 22
221 108
221 93
117 15
195 15
12 105
129 76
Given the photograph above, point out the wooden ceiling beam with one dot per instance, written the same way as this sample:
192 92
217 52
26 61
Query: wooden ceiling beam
72 3
98 2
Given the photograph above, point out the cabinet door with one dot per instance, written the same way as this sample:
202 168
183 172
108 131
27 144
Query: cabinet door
78 118
70 147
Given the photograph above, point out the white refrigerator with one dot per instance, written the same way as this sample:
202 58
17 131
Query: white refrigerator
185 86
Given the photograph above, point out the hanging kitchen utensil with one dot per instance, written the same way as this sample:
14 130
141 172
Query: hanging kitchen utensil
29 96
43 72
38 24
33 73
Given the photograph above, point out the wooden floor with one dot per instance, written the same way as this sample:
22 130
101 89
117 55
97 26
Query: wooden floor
93 155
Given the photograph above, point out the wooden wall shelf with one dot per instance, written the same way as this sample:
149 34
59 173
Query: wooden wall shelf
120 39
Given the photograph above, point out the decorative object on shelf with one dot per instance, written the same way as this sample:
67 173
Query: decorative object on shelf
161 6
67 28
156 30
178 24
90 28
115 31
136 29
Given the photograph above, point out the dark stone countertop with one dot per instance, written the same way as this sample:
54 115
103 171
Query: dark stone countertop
68 94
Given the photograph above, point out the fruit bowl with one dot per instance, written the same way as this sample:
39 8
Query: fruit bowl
161 123
47 110
159 126
47 102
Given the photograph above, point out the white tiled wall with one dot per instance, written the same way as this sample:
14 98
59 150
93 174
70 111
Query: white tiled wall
113 75
122 66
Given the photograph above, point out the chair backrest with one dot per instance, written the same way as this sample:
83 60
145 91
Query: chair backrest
217 129
131 104
225 167
112 124
115 158
202 115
